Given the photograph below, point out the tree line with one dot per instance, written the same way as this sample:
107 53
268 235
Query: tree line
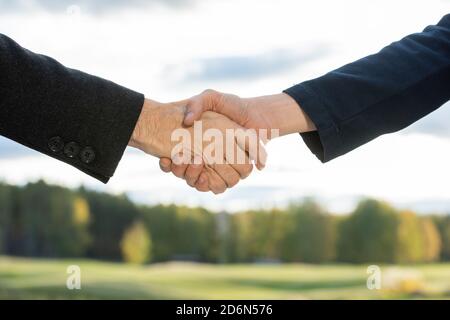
41 220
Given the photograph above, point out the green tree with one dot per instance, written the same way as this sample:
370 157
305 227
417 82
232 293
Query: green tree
257 235
161 221
136 244
182 233
194 234
44 224
443 225
410 240
369 234
432 240
6 208
310 235
109 217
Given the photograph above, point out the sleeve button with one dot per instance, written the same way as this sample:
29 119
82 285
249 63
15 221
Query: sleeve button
71 150
87 155
55 144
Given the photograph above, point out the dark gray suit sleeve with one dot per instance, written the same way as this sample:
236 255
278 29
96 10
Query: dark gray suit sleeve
72 116
379 94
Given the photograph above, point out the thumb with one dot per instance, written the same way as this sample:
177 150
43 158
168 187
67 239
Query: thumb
165 164
194 109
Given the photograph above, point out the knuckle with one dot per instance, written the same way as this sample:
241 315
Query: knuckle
212 95
209 92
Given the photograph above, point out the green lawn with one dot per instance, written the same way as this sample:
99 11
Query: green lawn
42 279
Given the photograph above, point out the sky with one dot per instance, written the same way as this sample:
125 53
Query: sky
170 50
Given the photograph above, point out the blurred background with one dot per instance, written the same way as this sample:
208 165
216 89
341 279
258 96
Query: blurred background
297 230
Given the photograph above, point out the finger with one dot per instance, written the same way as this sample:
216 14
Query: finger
179 170
215 183
262 156
243 170
193 171
248 140
202 183
198 104
239 161
230 176
194 109
165 164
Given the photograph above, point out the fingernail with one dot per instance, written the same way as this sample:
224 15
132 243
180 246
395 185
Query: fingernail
201 180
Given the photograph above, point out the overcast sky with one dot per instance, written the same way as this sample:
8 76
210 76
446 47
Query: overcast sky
173 49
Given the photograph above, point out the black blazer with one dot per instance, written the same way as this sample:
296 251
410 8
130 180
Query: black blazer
72 116
381 93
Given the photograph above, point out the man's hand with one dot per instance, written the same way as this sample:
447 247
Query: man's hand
277 112
272 112
154 134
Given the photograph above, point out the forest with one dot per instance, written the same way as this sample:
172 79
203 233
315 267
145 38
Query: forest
42 220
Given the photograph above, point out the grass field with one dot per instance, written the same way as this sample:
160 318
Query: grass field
43 279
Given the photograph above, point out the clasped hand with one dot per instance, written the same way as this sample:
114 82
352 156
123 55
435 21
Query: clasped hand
213 140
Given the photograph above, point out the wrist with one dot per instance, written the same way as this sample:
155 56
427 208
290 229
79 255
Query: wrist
280 112
296 119
144 132
153 130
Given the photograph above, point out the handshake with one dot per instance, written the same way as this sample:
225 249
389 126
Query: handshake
213 139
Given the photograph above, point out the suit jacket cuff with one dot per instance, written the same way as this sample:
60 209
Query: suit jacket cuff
325 143
105 132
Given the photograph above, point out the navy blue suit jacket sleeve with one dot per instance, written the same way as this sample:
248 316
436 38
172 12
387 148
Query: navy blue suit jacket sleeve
378 94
